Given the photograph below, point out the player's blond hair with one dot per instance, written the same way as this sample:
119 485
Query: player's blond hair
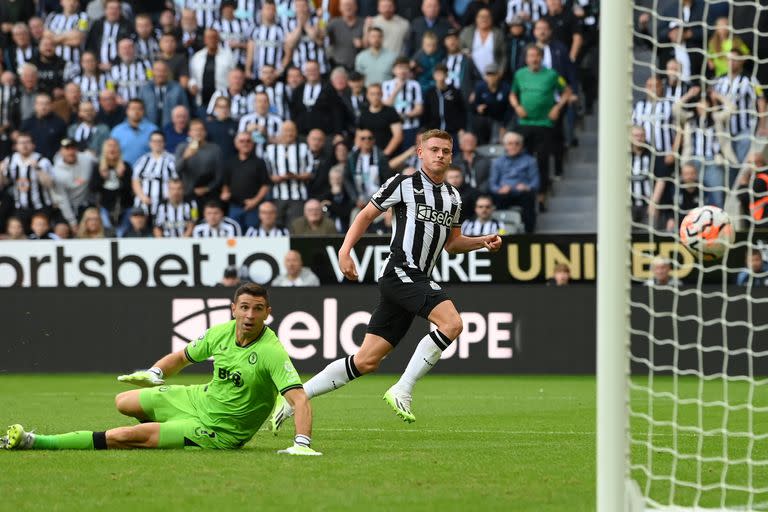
436 134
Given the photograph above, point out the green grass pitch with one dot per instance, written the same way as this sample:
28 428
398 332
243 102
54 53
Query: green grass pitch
479 444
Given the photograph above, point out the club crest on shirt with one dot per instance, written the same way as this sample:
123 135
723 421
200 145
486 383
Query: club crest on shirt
454 200
253 358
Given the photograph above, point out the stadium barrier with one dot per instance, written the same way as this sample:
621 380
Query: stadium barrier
173 263
508 329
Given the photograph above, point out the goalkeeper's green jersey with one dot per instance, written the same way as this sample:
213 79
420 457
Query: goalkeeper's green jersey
245 381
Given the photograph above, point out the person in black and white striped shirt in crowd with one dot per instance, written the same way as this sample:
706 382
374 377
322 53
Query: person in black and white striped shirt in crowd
655 115
235 32
241 101
747 95
90 79
152 173
262 126
28 173
147 46
128 74
214 224
266 45
175 217
368 168
10 113
404 95
304 38
68 29
677 89
288 163
268 226
527 10
483 223
191 39
207 11
88 135
106 32
276 91
22 50
643 170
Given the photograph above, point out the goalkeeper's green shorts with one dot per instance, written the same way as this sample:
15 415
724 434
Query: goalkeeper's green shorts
171 406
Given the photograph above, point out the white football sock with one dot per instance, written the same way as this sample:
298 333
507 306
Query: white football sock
426 355
333 376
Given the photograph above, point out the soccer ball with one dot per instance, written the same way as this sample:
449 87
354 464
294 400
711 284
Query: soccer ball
707 232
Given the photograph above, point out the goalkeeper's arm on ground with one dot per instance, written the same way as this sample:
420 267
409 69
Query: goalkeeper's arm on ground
168 366
303 420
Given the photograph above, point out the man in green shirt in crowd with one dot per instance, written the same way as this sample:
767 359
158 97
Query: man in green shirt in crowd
250 367
538 96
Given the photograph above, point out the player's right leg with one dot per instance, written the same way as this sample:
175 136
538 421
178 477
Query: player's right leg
145 435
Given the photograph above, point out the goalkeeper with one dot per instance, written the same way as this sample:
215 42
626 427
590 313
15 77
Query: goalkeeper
250 367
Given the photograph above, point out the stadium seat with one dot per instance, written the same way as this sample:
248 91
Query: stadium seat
491 150
512 219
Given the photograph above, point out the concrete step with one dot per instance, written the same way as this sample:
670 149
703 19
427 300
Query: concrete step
575 187
573 204
566 222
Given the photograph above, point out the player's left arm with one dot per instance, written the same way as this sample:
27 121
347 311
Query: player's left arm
458 243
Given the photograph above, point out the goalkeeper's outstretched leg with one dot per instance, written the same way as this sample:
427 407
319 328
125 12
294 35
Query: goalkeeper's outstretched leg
128 404
146 435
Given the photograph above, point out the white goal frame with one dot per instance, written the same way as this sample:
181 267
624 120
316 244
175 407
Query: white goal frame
614 116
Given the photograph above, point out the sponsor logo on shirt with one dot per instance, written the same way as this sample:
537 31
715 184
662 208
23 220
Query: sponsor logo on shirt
426 213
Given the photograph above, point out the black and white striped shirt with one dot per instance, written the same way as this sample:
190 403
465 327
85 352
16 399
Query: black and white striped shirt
154 173
536 9
234 31
240 103
424 213
282 159
90 87
704 142
307 49
207 10
743 92
82 135
265 233
127 78
270 121
227 228
22 56
656 119
28 192
108 48
640 183
146 49
454 63
408 97
278 98
249 10
477 227
268 50
173 218
365 175
8 95
677 91
59 23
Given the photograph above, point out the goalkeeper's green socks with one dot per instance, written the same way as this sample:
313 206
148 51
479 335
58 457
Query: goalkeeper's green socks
80 440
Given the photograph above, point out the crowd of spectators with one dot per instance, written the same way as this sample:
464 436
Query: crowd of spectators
699 130
266 117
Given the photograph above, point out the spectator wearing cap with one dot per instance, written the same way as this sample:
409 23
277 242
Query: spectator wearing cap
345 34
375 62
72 171
515 179
444 106
489 106
139 224
133 133
161 95
394 27
430 21
517 39
231 278
296 274
461 70
46 128
484 42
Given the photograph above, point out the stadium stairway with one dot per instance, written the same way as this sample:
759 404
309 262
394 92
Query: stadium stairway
572 205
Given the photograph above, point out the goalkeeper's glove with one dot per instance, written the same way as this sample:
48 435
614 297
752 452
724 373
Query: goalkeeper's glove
300 447
144 378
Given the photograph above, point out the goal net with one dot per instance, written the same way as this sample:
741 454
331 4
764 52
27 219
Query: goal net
697 387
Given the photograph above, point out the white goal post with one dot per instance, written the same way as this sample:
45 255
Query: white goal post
682 364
